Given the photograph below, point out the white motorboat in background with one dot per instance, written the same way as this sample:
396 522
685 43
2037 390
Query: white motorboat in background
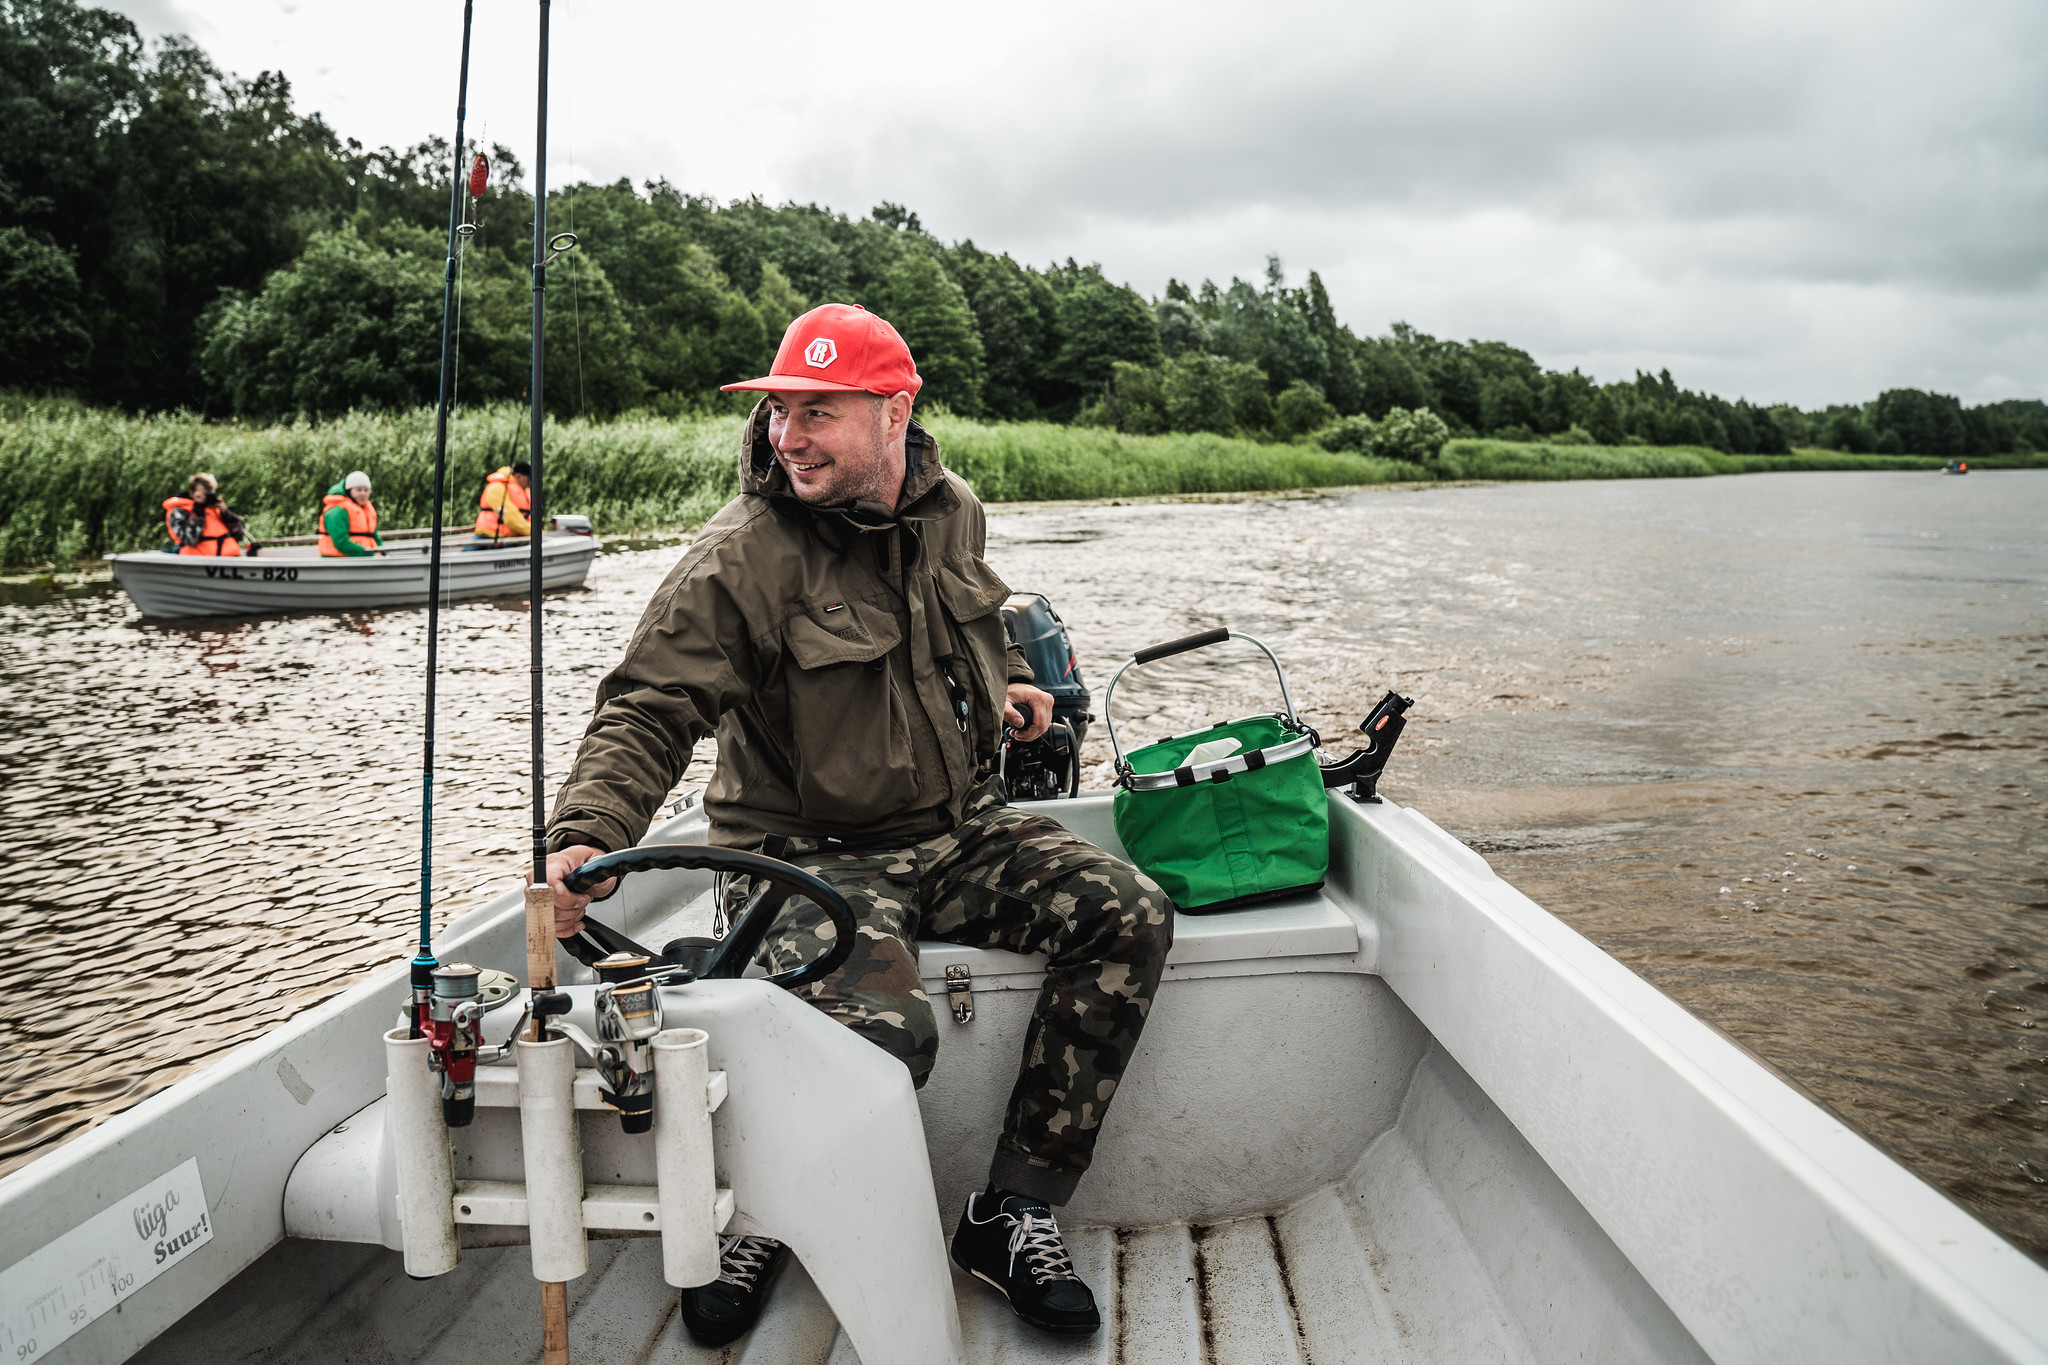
294 576
1412 1117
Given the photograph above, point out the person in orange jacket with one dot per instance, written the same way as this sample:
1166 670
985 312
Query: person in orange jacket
348 519
506 500
199 523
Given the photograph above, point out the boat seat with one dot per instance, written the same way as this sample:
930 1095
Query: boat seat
1306 932
1257 941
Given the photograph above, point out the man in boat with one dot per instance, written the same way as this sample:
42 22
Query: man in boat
348 519
503 505
199 523
837 628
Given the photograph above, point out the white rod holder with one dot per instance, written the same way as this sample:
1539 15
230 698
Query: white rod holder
688 1192
554 1160
426 1169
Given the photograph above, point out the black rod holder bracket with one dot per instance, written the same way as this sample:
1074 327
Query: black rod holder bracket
1360 770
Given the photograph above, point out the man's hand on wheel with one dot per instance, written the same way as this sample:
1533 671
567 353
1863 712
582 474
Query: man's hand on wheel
569 906
1024 699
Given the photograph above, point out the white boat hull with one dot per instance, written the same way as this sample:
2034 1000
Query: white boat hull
1412 1118
295 579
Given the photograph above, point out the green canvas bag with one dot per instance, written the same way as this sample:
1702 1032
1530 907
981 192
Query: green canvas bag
1224 832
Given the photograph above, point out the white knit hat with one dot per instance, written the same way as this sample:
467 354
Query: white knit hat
356 480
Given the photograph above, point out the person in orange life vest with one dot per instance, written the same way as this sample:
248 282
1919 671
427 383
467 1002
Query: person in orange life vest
504 503
199 523
348 525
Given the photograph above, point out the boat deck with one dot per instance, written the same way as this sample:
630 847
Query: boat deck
1376 1269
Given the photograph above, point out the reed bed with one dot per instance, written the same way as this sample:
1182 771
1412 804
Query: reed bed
1042 462
77 482
1517 460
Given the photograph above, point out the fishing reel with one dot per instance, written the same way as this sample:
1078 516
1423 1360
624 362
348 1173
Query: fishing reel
627 1004
454 1029
628 1017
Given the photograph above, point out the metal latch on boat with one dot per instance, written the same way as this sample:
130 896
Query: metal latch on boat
960 992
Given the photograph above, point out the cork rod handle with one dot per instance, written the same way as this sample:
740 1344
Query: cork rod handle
540 976
540 947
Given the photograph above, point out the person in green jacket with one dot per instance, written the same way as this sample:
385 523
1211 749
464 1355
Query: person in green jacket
348 519
837 628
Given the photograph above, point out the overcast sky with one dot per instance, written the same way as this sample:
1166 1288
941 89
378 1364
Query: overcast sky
1795 201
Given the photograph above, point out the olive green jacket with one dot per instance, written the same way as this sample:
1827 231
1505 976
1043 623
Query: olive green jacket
810 641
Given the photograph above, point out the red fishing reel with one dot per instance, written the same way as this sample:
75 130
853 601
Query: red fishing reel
452 1022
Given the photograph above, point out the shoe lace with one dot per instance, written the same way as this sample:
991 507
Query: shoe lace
742 1259
1037 1240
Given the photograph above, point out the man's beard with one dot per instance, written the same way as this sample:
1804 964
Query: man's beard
847 487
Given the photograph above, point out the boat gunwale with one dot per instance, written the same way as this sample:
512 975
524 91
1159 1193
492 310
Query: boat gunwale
1960 1261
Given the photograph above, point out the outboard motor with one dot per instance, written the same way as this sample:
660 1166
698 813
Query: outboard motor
1049 766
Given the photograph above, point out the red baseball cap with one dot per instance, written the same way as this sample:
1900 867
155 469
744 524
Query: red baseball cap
839 348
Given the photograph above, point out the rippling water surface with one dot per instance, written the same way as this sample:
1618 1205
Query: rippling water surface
1776 742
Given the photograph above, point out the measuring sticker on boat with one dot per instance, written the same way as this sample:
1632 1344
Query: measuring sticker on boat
49 1294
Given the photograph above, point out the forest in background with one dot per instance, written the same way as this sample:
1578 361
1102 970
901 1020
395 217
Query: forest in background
174 238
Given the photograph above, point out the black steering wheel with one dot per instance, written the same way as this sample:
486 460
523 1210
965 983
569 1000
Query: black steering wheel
717 958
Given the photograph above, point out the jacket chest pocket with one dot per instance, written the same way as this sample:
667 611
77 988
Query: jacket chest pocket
970 589
848 716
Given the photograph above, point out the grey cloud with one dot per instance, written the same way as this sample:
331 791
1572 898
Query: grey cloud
1917 151
1792 199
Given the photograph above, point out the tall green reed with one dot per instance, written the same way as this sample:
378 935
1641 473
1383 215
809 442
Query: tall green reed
77 480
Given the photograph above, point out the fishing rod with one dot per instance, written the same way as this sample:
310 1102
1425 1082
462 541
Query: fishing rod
537 511
424 963
540 901
545 250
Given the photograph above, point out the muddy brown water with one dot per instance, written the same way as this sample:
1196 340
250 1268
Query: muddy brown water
1777 742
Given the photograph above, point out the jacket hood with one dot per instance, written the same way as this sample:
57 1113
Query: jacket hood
925 494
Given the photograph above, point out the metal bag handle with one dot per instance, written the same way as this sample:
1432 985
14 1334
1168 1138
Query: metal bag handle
1182 646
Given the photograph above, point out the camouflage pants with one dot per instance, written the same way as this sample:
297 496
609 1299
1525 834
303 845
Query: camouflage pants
1004 879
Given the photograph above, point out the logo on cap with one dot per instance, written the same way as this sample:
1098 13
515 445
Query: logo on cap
821 352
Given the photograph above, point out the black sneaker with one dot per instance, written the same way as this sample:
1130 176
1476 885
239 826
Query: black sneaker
1015 1247
725 1309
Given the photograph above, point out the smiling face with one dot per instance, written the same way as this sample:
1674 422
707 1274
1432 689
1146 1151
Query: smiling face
840 447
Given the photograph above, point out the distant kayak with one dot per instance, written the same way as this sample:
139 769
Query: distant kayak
298 578
1956 467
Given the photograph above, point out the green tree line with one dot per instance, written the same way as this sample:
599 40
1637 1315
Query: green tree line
176 238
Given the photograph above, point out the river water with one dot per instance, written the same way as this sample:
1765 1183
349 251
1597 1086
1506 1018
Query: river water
1775 741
